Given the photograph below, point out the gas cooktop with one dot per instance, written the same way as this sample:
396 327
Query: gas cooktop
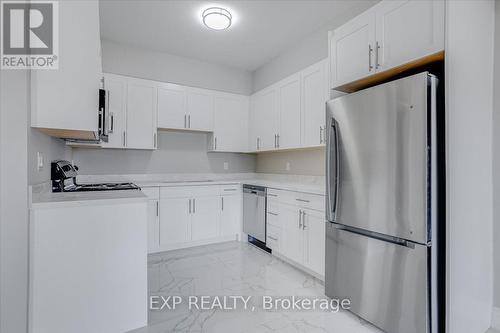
101 187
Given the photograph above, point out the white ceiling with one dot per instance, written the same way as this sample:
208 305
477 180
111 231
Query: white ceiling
261 30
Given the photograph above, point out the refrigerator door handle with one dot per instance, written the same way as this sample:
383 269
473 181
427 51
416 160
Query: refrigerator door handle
375 235
332 176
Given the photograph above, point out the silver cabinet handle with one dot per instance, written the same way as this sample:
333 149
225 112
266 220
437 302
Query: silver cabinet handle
302 200
272 195
377 48
157 208
271 213
185 121
278 140
124 138
258 143
370 50
300 219
111 122
275 141
320 135
229 189
189 121
189 206
222 202
303 220
155 141
271 237
215 143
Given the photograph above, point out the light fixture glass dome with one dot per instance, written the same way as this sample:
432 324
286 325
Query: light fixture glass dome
217 18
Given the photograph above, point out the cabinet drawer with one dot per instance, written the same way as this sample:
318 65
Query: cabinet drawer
151 192
273 215
188 191
305 200
273 237
230 189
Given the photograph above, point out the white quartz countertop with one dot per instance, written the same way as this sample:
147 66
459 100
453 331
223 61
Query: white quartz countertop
280 185
52 200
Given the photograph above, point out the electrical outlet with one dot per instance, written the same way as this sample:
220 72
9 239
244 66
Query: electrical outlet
226 166
39 160
287 166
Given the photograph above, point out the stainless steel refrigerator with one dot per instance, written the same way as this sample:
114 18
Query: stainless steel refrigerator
381 234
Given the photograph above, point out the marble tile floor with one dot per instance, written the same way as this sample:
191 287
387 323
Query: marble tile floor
236 268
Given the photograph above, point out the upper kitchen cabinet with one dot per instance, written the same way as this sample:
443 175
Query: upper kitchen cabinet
352 49
266 119
200 109
313 98
408 30
288 92
230 123
390 35
172 106
132 105
65 101
185 108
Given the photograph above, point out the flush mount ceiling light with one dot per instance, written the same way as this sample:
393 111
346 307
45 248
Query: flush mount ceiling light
217 18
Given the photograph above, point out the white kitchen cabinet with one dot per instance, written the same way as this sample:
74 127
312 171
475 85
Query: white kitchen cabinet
313 98
230 123
132 116
65 102
388 35
153 195
230 215
116 90
141 116
172 106
408 30
265 119
352 49
292 238
200 109
289 133
175 221
314 236
205 217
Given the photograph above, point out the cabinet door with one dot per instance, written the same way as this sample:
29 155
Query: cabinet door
289 112
141 116
67 98
267 119
408 30
231 124
230 215
172 107
352 49
116 90
314 96
174 221
292 239
253 120
200 109
153 226
205 215
314 236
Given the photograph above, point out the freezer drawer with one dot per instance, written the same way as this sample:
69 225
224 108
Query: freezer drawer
385 282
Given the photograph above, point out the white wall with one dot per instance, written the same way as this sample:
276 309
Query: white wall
126 60
469 83
13 201
302 162
177 153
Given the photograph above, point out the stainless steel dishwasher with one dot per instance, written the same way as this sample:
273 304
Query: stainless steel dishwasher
254 214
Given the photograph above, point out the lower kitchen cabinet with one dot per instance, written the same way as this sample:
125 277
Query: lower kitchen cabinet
229 222
297 233
193 215
175 221
205 215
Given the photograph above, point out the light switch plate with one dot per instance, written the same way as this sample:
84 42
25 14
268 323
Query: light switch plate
39 160
226 166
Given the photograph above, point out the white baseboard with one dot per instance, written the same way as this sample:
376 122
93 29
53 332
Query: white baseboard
495 318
